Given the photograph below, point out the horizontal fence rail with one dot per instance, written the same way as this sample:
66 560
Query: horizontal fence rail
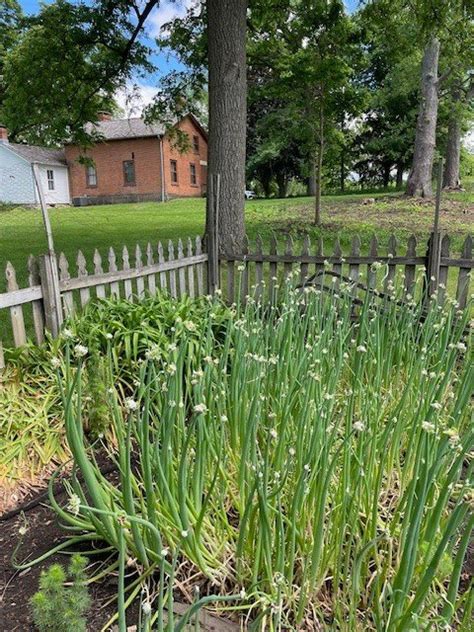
31 311
182 268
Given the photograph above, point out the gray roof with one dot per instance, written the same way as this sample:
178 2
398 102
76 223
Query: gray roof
116 129
43 155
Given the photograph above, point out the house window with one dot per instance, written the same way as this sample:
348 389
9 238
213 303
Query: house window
196 144
174 171
91 176
50 176
129 172
192 173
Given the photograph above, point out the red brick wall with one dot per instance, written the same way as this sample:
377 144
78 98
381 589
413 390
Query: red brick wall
109 156
184 187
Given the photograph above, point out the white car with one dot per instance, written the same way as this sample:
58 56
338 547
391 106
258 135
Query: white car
250 195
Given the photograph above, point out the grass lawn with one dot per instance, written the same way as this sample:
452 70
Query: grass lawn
21 230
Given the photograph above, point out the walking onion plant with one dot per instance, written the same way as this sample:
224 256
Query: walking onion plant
314 468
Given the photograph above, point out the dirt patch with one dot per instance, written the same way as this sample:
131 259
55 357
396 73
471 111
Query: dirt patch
348 216
17 587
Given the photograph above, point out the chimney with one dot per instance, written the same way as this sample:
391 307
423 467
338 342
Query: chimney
3 134
105 116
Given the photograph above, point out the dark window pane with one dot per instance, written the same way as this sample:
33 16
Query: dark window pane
50 176
174 171
129 172
91 176
192 173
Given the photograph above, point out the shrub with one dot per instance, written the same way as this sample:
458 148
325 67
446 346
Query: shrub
57 608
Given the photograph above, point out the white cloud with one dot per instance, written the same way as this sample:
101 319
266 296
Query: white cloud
134 98
167 11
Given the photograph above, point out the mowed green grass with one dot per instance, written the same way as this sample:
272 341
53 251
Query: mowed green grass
22 233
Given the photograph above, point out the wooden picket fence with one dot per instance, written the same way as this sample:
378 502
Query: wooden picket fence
261 271
54 292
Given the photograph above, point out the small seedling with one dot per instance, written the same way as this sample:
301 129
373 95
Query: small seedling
57 608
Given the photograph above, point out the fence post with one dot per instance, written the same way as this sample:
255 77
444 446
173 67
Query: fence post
433 254
212 233
51 295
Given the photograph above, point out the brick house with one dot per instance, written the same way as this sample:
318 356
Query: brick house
137 162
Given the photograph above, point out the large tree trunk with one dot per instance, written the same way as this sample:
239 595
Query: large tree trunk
226 30
386 175
419 180
453 148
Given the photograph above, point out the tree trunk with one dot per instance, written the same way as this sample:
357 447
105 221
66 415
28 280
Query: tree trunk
400 170
226 31
311 184
451 178
386 175
319 170
282 184
419 180
266 182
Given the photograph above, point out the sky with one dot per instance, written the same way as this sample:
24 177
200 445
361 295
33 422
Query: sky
145 88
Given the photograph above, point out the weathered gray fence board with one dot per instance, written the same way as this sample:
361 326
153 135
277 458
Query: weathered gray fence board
463 278
16 311
36 306
82 273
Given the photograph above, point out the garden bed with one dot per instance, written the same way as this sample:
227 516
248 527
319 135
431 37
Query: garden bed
289 466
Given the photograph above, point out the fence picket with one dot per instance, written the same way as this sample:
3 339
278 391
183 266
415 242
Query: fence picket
443 269
161 259
114 286
371 269
273 280
126 266
151 279
288 267
337 267
410 270
67 297
464 274
245 272
304 252
172 272
258 269
84 293
189 253
392 268
16 311
99 289
354 267
200 268
139 266
181 270
319 267
36 306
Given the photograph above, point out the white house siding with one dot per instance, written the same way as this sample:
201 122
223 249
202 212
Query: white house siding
60 194
16 179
